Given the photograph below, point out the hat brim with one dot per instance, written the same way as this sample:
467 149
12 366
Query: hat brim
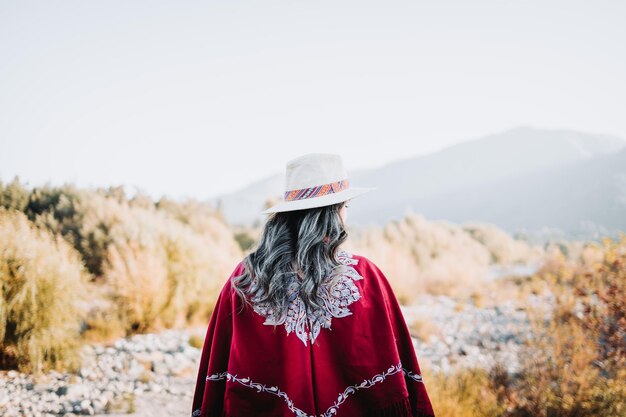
325 200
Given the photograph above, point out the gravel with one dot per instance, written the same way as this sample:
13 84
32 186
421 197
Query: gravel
155 374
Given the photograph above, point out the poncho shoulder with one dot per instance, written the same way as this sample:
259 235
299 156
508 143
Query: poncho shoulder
353 358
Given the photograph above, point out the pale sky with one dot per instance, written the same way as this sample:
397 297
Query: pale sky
197 98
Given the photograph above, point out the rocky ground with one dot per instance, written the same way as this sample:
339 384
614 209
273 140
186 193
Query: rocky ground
450 335
144 375
154 374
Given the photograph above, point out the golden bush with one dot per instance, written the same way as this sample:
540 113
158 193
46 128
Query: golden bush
577 366
421 256
467 392
573 365
43 296
164 272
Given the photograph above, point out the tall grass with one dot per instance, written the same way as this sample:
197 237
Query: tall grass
43 295
468 392
167 275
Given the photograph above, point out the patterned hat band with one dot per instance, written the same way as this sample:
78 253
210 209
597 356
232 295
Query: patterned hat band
315 180
317 191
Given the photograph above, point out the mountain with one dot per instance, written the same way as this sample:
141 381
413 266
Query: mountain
584 199
522 178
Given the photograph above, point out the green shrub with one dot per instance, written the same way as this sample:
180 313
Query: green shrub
244 240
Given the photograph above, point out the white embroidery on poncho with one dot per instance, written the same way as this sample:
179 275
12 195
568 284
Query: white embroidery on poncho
341 398
336 298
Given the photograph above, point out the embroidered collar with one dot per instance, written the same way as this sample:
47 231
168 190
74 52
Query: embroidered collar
337 292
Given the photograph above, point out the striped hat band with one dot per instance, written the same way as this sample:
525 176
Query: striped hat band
317 191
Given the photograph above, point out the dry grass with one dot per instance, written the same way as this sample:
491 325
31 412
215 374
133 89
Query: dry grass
196 341
440 258
465 393
102 323
169 275
424 329
478 299
162 268
43 295
147 266
576 362
578 366
503 248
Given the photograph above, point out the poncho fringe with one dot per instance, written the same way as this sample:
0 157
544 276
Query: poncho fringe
401 408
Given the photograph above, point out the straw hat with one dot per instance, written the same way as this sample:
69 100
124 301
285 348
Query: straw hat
316 180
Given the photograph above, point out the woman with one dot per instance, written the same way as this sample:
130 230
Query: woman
302 327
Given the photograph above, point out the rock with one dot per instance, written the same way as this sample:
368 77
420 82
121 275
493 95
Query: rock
86 408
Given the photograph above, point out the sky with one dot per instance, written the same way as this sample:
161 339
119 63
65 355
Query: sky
199 98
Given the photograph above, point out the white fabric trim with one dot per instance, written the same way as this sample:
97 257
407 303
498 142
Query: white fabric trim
332 410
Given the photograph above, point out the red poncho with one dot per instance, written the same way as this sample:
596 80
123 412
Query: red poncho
354 359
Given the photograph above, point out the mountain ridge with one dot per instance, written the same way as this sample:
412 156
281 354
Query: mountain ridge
427 183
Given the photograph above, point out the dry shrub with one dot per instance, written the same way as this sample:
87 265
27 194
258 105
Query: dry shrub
504 249
103 322
420 256
467 392
163 272
200 217
577 365
152 264
574 365
499 291
245 240
138 277
478 299
424 329
13 195
196 341
198 266
42 300
396 262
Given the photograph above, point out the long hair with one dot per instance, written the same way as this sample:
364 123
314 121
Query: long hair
303 242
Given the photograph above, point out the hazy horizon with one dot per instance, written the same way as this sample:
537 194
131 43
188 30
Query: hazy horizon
168 97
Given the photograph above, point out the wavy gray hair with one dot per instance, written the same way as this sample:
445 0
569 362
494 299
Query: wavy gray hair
301 241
